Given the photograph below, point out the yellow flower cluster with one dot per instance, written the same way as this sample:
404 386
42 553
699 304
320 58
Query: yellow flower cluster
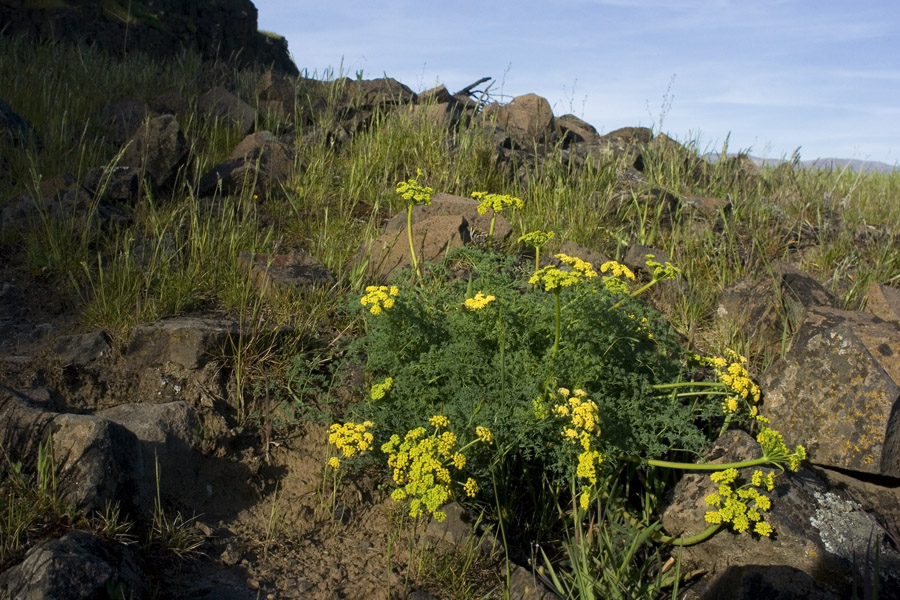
552 277
379 297
413 193
736 379
661 271
583 418
380 389
774 448
536 238
495 202
478 302
350 439
734 503
618 273
421 466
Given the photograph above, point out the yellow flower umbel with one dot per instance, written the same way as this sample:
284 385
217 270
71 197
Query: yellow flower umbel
379 298
495 202
379 390
413 193
742 506
422 463
553 279
537 239
737 381
618 273
350 439
581 426
478 302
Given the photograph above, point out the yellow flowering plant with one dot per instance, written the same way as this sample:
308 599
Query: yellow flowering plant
496 203
414 193
424 464
537 240
379 298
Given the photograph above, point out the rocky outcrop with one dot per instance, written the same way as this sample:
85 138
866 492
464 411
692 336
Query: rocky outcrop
223 30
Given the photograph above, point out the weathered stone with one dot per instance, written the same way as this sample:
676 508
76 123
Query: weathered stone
436 95
572 249
81 350
529 120
220 104
372 93
573 129
92 455
170 102
836 391
158 148
167 439
526 585
707 206
636 258
118 184
293 270
260 162
883 301
189 342
277 94
447 204
772 308
17 130
77 566
809 553
121 118
12 302
432 238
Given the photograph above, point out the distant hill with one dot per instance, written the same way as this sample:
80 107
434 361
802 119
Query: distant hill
852 164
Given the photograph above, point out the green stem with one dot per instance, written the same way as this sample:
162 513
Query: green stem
537 258
708 466
636 293
677 541
669 386
491 229
558 327
412 250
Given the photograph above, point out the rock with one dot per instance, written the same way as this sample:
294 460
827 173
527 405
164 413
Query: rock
190 342
259 162
277 95
803 558
373 93
225 30
572 129
120 119
436 95
81 350
170 102
158 148
77 566
12 302
883 301
836 391
636 259
447 204
16 130
295 270
772 308
529 120
432 239
93 455
167 439
525 585
117 184
220 104
458 530
572 249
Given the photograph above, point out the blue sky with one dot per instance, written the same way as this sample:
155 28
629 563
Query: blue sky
823 75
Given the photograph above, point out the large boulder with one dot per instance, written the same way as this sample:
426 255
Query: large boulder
817 550
220 30
77 566
836 391
260 163
158 148
529 120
